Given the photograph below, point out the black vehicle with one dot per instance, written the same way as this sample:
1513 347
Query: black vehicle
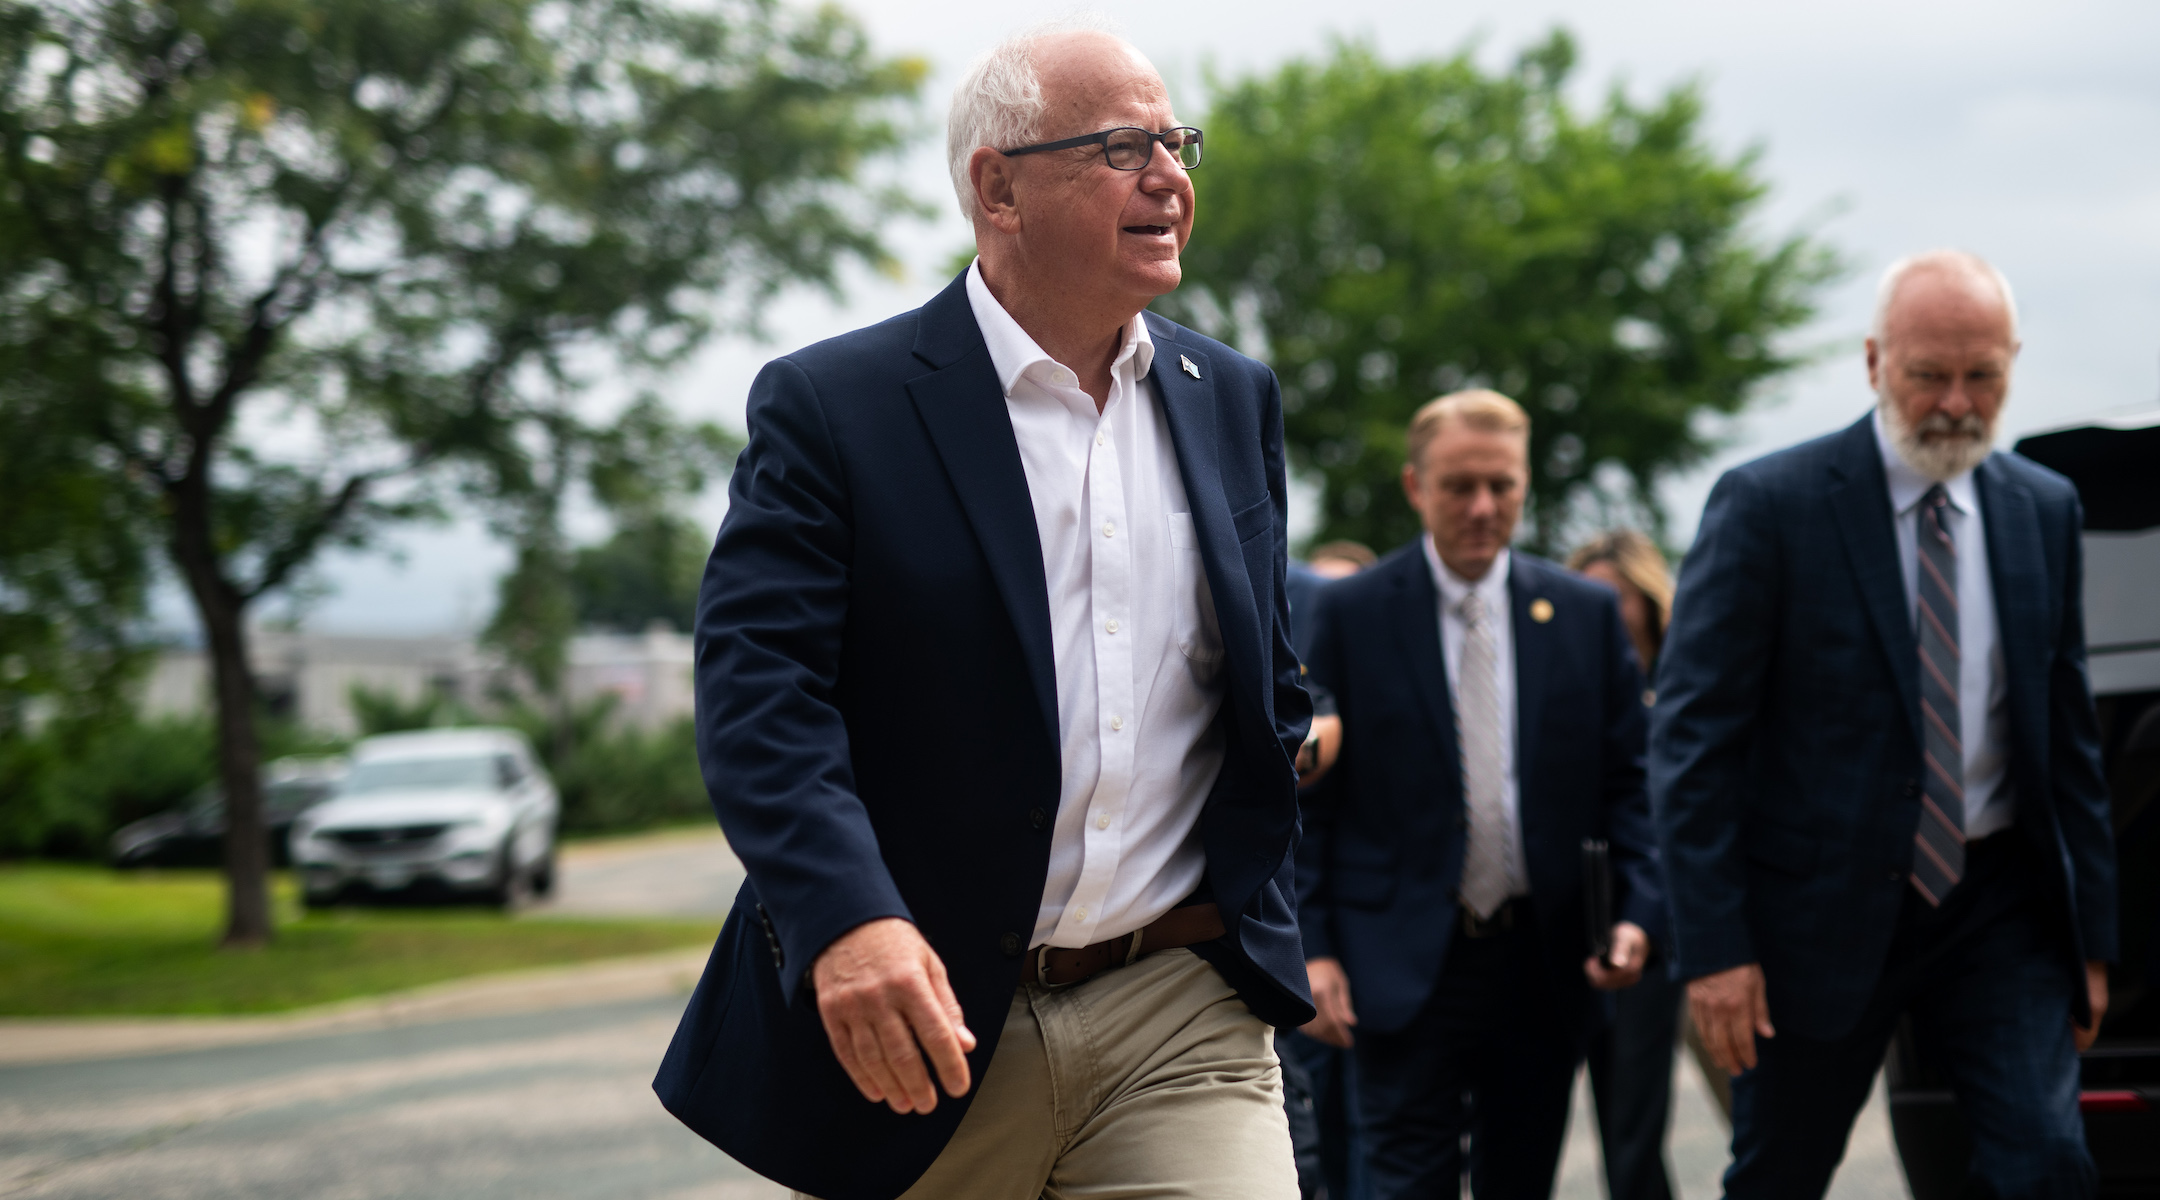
2116 467
194 836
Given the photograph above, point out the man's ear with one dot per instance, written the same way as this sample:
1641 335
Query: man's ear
1410 485
1874 365
995 191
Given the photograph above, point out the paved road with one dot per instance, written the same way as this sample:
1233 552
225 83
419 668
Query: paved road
547 1105
537 1106
689 873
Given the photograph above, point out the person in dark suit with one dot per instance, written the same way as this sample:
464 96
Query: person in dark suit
1492 721
996 702
1877 771
1630 1059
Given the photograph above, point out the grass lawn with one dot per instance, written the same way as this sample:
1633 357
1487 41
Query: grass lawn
81 941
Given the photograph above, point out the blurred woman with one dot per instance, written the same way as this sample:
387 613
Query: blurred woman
1631 1060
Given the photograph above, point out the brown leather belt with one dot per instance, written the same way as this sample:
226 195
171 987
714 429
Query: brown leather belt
1060 967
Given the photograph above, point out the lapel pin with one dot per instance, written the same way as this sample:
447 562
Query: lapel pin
1186 365
1541 610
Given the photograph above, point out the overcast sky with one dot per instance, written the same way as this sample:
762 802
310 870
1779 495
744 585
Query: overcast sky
2029 133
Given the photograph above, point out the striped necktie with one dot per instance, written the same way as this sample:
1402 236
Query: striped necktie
1939 845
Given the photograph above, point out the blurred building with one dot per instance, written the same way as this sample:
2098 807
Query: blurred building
309 678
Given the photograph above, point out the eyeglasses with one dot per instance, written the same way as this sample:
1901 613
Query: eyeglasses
1129 148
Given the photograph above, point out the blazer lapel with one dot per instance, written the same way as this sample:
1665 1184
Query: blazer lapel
2018 574
1414 605
1189 408
1859 494
1533 653
963 407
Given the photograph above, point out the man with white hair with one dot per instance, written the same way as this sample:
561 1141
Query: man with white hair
996 702
1876 766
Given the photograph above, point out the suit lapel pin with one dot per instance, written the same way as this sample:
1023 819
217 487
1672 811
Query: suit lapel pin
1541 610
1186 365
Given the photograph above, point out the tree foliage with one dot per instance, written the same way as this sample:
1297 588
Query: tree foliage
275 274
1384 234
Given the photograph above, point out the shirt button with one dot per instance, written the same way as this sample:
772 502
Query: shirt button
1109 528
1099 440
1080 914
1117 723
1103 821
1111 624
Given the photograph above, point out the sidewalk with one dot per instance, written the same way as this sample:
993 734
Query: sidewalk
25 1041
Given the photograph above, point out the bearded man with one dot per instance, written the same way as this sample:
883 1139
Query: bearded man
1876 767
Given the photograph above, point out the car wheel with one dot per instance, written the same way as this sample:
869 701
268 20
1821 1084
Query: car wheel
513 886
543 877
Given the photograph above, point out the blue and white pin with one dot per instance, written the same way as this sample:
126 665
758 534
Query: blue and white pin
1186 365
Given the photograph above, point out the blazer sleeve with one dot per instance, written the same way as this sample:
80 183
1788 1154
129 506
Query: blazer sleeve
1323 664
2080 787
1710 684
771 739
1629 830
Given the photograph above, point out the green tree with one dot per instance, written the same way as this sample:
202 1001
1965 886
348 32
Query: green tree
1384 234
648 571
305 268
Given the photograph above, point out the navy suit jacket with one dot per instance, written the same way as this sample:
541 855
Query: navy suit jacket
1785 745
1385 831
877 717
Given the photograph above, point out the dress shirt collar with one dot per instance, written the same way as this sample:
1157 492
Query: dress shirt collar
1907 486
1492 589
1016 356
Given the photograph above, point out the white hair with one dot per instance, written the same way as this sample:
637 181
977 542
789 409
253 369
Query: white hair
1955 260
999 102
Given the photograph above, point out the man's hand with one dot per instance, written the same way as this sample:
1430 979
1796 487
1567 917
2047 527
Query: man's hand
1331 996
1731 1010
1630 950
1319 751
2096 992
880 990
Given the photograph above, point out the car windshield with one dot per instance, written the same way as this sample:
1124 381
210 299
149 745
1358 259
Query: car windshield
403 774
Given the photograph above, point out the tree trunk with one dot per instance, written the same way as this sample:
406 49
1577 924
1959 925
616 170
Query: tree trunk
223 612
247 842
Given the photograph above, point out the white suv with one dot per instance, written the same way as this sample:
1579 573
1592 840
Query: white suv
461 811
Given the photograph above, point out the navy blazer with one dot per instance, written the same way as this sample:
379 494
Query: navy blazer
1785 745
1385 831
877 717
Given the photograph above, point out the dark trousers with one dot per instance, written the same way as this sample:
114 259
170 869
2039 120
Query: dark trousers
1492 1056
1631 1070
1989 996
1323 1108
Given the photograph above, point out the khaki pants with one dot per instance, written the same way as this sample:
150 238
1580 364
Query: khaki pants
1152 1080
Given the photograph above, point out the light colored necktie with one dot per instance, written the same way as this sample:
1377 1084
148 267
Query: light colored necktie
1939 845
1485 883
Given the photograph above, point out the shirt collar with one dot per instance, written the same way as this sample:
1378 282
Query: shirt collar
1492 589
1907 486
1016 356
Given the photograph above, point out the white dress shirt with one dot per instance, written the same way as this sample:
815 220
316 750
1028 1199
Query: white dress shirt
1983 692
1493 591
1133 628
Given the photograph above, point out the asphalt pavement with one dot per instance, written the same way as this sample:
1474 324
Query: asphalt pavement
535 1090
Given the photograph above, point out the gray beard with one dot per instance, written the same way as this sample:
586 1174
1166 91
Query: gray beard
1939 447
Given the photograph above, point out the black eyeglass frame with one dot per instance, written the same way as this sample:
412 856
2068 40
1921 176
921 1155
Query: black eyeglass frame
1102 138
